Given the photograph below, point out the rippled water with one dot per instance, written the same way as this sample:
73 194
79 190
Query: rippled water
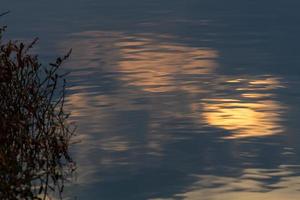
193 99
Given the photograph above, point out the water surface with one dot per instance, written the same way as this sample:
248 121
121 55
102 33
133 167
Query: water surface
194 99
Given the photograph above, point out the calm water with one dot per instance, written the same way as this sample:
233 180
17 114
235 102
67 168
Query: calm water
194 99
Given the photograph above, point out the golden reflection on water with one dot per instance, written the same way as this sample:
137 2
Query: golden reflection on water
243 106
154 69
145 61
253 184
155 64
250 114
244 119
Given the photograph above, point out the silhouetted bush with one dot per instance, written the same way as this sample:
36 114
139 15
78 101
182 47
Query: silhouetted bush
34 130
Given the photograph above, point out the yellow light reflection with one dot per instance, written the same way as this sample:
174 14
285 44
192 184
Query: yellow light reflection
244 119
263 84
155 65
247 187
256 95
147 61
248 115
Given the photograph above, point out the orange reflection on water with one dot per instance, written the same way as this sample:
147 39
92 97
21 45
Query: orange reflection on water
150 62
253 184
256 95
244 119
248 115
157 64
154 67
262 84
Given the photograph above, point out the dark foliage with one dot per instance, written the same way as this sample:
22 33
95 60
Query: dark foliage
34 130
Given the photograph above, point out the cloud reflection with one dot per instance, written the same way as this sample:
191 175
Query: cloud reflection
244 119
153 63
138 96
247 109
253 184
146 61
154 69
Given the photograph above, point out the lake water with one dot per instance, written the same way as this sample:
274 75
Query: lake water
176 99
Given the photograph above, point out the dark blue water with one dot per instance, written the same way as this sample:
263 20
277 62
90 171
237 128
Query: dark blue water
194 99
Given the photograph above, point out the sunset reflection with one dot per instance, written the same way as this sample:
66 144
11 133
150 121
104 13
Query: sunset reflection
253 184
250 115
145 61
169 99
146 93
154 68
244 119
156 64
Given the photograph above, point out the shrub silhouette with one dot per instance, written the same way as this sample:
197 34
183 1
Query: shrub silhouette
34 128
